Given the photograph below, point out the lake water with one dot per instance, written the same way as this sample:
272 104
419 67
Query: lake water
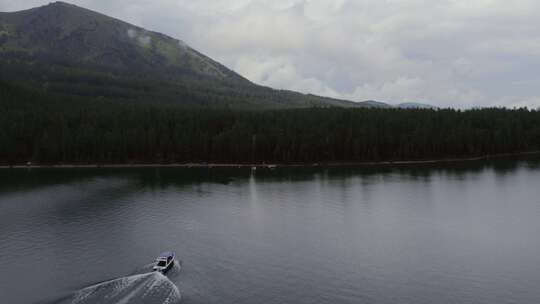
454 233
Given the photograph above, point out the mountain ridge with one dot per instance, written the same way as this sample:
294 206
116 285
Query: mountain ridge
66 49
415 105
60 26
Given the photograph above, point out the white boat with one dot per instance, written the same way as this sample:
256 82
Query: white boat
164 262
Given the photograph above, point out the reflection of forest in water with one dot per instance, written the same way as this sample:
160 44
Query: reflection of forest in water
22 179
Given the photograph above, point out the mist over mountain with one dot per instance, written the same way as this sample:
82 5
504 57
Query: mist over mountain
65 49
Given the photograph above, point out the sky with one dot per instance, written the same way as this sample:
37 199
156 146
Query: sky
448 53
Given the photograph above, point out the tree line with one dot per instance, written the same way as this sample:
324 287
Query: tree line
39 127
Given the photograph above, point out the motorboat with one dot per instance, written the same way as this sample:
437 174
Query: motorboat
164 262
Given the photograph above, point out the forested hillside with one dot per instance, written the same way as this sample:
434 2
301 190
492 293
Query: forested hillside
43 128
63 48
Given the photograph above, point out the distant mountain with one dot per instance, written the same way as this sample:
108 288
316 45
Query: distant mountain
407 105
413 105
376 104
70 50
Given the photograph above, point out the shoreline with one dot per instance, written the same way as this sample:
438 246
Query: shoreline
270 166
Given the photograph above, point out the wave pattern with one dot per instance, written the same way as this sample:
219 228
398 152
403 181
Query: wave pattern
141 288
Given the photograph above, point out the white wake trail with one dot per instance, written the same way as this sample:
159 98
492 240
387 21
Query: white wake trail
151 287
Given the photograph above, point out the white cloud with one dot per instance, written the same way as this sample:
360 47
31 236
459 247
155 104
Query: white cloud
132 33
448 53
280 73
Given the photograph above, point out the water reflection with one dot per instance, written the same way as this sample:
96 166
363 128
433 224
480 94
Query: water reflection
460 232
162 177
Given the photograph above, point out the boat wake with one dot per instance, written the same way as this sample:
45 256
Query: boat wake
151 287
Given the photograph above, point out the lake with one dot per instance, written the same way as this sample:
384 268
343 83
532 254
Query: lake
448 233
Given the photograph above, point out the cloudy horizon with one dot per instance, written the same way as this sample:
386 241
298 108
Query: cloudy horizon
450 53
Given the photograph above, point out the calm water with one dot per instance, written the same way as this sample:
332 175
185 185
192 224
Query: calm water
460 233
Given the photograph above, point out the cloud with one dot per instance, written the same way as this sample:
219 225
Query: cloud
132 33
460 53
280 73
141 37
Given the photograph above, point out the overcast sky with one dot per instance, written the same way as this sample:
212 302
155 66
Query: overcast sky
459 53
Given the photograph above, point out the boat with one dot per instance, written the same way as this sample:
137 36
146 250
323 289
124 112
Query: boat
164 262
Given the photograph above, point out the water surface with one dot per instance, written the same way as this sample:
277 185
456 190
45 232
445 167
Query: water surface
455 233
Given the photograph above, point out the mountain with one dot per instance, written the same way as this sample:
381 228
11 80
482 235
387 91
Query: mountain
67 33
414 105
65 49
376 104
407 105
